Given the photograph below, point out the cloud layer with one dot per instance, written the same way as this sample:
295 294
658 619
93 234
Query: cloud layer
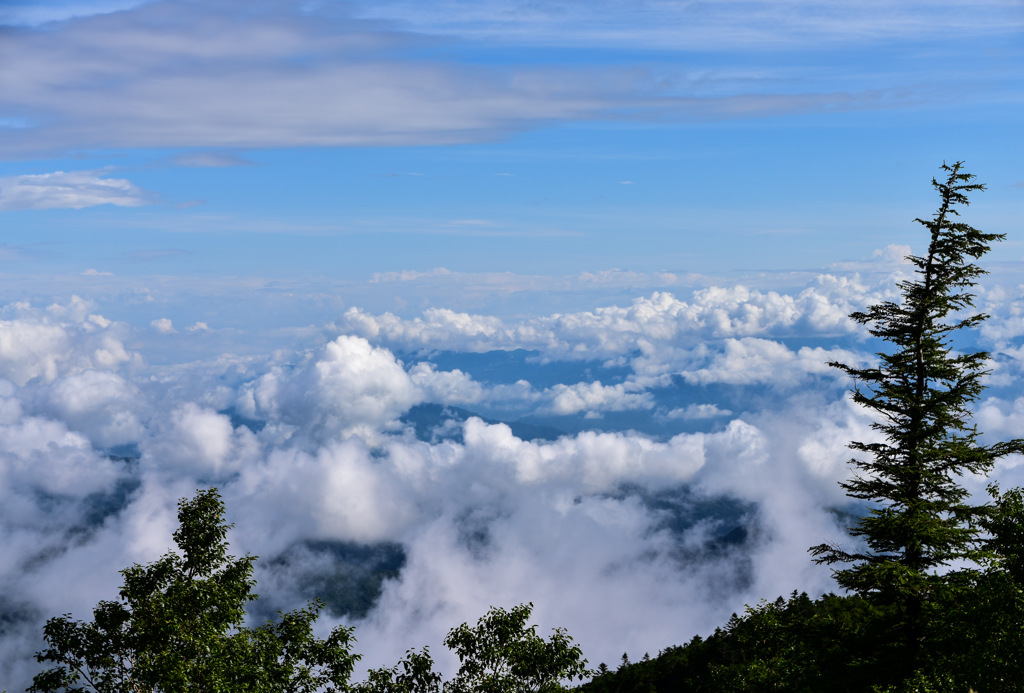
185 74
229 75
338 475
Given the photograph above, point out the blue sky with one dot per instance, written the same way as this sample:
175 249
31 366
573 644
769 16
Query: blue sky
285 140
512 291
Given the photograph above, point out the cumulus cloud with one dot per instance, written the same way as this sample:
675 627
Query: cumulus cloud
553 518
163 325
347 388
71 466
821 309
317 457
68 190
197 442
30 349
719 335
1001 419
696 411
335 492
450 387
1006 305
593 397
62 339
98 404
753 361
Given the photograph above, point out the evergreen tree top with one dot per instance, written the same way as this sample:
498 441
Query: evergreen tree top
921 393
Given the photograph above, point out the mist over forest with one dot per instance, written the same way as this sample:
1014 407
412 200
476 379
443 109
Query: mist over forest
637 471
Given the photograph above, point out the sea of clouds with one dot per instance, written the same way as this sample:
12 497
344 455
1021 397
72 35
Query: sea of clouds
685 452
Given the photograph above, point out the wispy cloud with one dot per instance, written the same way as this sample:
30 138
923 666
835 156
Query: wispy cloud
30 12
210 160
69 190
226 76
183 74
723 25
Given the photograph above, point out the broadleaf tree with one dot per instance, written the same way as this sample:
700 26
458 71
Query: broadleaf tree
500 654
921 518
178 626
414 674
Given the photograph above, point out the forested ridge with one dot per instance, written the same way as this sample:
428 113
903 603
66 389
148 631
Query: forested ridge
933 578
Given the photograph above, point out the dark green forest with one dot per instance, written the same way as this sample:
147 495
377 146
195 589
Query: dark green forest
932 579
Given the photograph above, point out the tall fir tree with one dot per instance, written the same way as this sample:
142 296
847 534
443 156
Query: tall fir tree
921 392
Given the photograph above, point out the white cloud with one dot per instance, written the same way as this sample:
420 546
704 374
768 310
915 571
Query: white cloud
892 256
347 388
30 350
753 361
570 399
696 412
43 455
483 517
197 442
163 325
1006 305
651 329
63 339
68 190
99 404
336 492
549 525
533 553
595 461
449 387
1001 419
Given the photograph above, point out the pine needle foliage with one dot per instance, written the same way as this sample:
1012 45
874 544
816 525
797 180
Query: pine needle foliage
921 393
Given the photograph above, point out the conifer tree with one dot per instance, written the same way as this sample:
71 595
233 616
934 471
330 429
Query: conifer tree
920 393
